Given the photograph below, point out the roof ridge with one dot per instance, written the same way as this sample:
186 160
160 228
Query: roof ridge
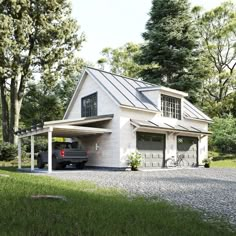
123 76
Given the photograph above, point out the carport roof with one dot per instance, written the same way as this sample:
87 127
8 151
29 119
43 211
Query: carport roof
167 127
81 121
67 128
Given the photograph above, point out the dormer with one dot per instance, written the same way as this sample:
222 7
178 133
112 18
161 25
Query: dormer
168 101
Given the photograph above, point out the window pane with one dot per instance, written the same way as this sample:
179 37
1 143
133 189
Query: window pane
171 107
89 105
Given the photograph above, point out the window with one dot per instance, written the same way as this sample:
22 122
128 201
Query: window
171 107
89 105
150 141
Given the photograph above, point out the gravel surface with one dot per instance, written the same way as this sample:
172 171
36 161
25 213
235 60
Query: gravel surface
210 190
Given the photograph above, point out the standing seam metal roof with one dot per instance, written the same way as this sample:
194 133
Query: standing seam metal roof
125 92
123 89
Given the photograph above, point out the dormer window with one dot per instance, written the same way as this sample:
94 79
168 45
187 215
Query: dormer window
89 105
171 107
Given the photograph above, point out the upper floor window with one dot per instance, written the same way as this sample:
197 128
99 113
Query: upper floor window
89 105
171 107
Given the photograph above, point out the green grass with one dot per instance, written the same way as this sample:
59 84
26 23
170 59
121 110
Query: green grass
223 160
91 211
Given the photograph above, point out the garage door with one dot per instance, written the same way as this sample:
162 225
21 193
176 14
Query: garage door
152 148
188 147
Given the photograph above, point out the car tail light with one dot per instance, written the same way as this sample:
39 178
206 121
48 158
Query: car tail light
62 153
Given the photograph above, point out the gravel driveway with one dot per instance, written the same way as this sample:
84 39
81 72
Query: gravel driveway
211 190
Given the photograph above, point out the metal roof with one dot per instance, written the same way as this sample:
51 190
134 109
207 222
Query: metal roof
129 92
167 127
80 121
123 89
190 111
67 128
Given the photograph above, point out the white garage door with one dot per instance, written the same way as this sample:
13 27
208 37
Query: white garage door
188 147
152 148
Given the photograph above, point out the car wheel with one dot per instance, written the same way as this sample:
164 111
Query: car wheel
63 166
40 163
80 165
55 164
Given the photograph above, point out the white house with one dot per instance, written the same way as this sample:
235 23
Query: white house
157 121
112 116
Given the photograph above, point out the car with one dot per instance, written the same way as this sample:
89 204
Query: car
63 154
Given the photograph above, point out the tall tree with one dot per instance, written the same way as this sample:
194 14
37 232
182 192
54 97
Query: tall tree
40 104
121 60
44 103
218 40
37 36
171 42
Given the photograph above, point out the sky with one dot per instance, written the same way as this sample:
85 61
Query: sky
112 23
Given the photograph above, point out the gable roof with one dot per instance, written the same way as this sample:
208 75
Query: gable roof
123 89
127 92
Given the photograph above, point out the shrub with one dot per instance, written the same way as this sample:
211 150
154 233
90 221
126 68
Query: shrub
40 143
223 138
8 152
134 160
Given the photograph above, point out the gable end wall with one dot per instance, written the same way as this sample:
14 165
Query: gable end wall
103 150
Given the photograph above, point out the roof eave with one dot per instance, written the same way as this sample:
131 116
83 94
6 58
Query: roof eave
197 119
162 88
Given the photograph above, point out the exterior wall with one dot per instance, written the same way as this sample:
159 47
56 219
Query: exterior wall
111 150
103 150
128 136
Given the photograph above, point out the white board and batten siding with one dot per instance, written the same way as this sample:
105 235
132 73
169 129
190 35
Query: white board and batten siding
112 150
103 150
128 136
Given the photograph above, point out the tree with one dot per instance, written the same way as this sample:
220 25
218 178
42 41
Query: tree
42 103
37 36
121 60
218 40
64 90
171 43
223 136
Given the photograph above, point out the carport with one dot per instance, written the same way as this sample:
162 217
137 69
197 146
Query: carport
60 128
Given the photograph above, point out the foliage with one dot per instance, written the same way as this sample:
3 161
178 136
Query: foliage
39 39
121 60
171 43
40 105
43 103
64 90
223 160
134 160
90 210
223 136
218 37
8 152
40 143
207 160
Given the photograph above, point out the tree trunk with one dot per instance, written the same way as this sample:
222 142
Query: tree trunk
15 106
5 113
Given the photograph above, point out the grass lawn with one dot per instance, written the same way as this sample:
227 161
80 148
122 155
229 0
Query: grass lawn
90 210
223 160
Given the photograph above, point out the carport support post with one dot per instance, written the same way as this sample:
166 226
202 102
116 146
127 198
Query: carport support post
19 153
50 150
32 153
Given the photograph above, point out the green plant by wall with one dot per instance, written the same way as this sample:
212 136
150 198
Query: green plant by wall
134 160
223 138
8 152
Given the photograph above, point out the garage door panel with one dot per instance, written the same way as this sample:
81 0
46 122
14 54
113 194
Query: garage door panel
151 159
147 164
188 147
151 146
